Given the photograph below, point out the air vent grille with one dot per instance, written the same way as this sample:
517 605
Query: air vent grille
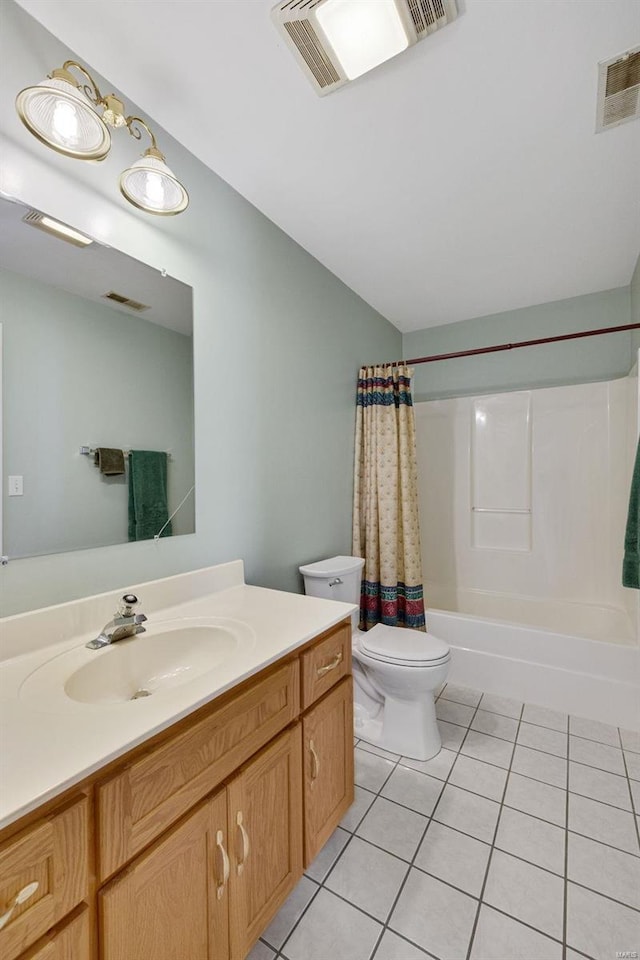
306 40
125 301
428 15
619 90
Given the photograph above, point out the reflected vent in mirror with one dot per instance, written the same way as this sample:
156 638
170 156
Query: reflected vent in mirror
618 90
125 301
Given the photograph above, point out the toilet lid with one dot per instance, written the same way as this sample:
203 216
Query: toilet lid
395 644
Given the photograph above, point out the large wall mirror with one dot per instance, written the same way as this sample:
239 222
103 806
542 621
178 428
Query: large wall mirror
98 357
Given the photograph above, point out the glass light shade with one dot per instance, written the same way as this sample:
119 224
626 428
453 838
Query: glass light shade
362 34
150 185
60 115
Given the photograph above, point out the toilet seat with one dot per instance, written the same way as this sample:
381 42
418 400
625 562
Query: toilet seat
407 648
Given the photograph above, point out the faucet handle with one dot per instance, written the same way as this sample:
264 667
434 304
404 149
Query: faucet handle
127 605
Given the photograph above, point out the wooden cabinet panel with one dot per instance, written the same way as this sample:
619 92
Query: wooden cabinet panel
138 804
327 732
325 664
265 830
172 902
72 942
54 854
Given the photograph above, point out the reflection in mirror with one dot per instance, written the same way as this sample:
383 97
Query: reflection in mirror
97 393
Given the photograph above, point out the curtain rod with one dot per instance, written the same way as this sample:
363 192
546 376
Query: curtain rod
497 348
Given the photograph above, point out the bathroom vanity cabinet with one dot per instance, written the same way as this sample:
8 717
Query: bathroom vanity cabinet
188 845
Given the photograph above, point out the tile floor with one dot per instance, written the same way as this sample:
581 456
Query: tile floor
519 841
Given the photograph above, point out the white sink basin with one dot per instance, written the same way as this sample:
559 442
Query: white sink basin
168 655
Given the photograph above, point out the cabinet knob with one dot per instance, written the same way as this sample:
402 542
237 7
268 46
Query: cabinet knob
224 872
337 660
21 897
315 761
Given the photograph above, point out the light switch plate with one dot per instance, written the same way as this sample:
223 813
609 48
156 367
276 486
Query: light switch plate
16 486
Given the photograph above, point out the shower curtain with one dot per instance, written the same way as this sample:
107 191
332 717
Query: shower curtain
386 530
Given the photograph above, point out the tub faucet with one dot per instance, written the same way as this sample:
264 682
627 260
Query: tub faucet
125 623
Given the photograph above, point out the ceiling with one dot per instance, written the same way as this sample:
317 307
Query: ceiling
460 179
92 271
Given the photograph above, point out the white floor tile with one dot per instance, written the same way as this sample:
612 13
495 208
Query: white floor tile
537 798
351 878
413 789
393 947
602 822
394 828
500 938
540 766
328 855
371 771
542 738
483 778
633 764
594 730
439 766
355 813
261 952
611 872
462 694
490 749
630 740
284 920
454 712
467 812
495 725
526 893
503 705
635 790
451 734
454 857
544 717
594 754
379 752
534 840
599 785
332 928
598 926
444 927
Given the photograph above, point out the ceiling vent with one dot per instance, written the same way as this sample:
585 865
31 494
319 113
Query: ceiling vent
300 23
618 90
125 301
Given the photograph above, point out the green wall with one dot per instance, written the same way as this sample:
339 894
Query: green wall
577 361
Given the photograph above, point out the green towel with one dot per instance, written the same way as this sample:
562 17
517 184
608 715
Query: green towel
148 509
631 562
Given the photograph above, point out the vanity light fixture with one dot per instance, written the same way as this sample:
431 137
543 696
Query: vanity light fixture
72 117
335 41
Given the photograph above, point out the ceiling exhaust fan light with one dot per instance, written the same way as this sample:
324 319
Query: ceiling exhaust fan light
363 34
62 117
150 185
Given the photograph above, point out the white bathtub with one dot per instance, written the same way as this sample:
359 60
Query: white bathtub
588 678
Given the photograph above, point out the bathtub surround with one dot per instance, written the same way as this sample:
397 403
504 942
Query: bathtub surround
269 456
386 525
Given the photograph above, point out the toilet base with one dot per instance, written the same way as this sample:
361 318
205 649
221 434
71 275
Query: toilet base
407 728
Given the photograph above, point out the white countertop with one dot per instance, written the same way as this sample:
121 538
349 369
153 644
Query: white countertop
47 744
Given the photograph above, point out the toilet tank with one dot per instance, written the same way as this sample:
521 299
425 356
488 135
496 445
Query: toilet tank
337 578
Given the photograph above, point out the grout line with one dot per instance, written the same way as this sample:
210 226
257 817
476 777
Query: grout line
495 835
633 806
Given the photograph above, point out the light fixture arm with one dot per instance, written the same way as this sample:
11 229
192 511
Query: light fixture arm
133 126
91 90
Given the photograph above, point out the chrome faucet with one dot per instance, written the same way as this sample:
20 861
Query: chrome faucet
125 623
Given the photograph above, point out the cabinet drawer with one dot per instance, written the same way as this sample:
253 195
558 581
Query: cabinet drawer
325 664
70 943
53 853
136 805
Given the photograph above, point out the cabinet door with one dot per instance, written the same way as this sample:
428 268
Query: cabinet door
328 766
70 943
265 831
172 902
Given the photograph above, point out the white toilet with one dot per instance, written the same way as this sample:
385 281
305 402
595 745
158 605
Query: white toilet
396 670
